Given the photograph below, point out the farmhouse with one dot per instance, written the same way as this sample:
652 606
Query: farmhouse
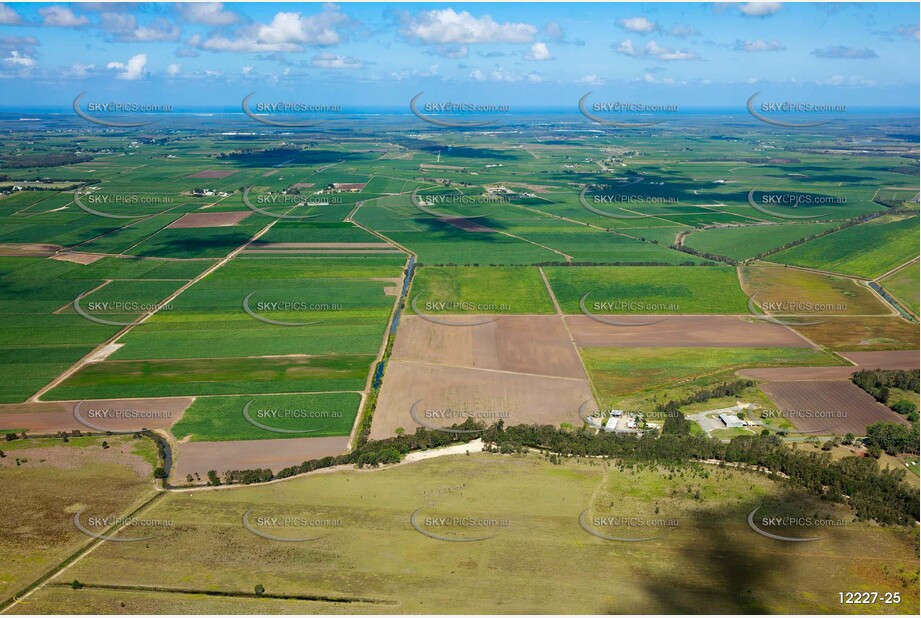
731 421
347 187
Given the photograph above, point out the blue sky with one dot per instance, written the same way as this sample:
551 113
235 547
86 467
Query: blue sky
689 54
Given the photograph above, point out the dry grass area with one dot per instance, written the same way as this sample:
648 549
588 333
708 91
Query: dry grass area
51 483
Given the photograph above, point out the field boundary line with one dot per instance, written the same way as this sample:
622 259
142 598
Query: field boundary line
124 331
76 556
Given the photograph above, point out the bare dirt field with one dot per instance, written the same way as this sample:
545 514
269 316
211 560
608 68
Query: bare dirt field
896 359
522 369
465 224
109 414
535 345
715 331
213 174
836 407
16 249
901 359
209 219
303 185
482 394
78 258
200 457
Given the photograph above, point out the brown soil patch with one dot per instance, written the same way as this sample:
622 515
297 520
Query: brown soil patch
895 359
209 219
270 173
535 345
78 258
11 249
321 245
115 414
683 331
900 359
213 174
829 407
465 224
487 395
521 369
201 457
303 185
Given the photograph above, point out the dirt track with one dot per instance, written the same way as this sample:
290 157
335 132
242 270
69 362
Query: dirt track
716 331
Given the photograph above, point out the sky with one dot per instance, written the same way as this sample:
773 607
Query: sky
211 54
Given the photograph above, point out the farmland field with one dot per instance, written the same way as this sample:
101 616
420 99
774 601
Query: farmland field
649 290
867 250
459 308
541 504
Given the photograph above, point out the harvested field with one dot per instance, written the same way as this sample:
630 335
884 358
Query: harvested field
523 367
213 174
209 219
850 333
78 258
836 407
865 360
199 457
109 414
465 224
537 345
716 331
896 359
302 185
484 395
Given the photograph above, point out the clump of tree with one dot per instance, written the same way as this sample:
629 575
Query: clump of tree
893 438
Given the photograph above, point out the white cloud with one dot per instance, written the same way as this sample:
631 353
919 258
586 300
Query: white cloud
591 80
759 9
534 77
638 24
911 31
327 60
539 51
174 70
288 32
131 70
79 71
683 31
247 71
125 28
19 60
62 17
455 52
840 80
445 26
759 46
208 13
8 16
654 51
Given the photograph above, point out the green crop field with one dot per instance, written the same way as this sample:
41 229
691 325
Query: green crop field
495 289
867 250
649 289
617 372
297 416
903 285
742 243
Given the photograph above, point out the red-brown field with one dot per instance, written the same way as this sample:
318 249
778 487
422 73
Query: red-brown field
901 359
713 331
836 407
200 457
109 414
